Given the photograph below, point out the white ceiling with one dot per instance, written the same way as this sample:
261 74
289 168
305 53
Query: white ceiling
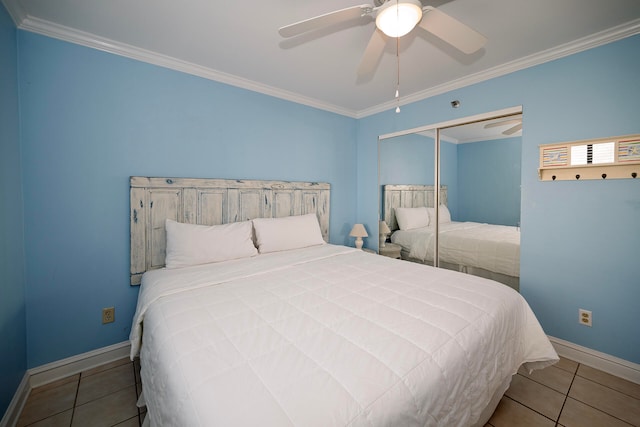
237 42
483 130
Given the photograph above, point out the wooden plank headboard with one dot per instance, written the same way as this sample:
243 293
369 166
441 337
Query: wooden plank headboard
211 202
408 196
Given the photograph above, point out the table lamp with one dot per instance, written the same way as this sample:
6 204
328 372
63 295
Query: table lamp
383 229
358 232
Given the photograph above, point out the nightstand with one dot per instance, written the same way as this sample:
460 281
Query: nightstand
390 250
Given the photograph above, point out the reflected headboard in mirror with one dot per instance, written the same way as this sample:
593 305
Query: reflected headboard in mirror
408 196
209 201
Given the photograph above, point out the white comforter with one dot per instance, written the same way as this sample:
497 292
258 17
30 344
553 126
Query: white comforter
492 247
328 336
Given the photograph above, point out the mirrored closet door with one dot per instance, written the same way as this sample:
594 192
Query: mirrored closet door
476 164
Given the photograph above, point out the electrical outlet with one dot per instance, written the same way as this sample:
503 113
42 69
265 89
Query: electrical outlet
108 315
584 317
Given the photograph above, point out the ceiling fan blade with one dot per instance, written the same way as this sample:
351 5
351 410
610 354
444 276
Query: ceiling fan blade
503 123
326 20
372 53
513 130
451 30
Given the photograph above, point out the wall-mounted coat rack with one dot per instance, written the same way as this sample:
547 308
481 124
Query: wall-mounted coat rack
604 158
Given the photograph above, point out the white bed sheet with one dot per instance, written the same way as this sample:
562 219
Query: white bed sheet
328 336
491 247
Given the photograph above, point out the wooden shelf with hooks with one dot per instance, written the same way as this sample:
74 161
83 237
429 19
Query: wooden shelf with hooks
604 158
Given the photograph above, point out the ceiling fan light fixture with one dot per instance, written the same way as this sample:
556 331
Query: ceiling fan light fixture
397 18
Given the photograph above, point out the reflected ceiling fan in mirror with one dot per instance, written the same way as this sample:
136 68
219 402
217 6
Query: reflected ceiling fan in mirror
394 19
515 125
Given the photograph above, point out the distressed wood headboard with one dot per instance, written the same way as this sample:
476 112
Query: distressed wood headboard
211 202
408 196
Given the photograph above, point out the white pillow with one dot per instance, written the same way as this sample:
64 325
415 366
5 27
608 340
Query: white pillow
190 244
410 218
290 232
445 215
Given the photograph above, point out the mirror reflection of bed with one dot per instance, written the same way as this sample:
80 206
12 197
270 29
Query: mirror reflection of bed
486 250
478 228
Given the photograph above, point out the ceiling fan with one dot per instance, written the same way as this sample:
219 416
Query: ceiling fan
394 18
517 125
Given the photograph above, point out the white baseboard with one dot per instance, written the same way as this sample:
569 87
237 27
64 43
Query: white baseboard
72 365
610 364
14 410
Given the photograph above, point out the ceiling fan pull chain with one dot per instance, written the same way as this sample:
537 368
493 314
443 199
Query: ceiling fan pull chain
398 81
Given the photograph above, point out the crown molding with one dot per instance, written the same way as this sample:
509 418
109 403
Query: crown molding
29 23
71 35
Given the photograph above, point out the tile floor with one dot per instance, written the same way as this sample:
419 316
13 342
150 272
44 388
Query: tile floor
102 396
567 394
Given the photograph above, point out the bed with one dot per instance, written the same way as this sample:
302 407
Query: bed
300 332
486 250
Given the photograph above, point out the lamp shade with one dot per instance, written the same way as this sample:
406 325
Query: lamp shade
383 230
358 230
397 18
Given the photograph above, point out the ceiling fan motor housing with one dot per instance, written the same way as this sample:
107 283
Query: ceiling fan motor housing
397 18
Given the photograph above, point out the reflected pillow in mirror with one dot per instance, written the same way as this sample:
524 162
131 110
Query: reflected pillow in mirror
445 215
290 232
191 244
410 218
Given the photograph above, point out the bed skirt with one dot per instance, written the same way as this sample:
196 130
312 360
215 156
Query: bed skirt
511 281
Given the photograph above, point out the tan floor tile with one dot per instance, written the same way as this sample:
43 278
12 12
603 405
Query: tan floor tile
536 396
567 365
607 400
105 382
577 414
62 419
48 402
131 422
616 383
106 366
108 410
54 384
512 414
556 378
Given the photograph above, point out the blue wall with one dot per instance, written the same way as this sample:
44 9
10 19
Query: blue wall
13 348
482 179
89 120
579 239
92 119
409 159
489 181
